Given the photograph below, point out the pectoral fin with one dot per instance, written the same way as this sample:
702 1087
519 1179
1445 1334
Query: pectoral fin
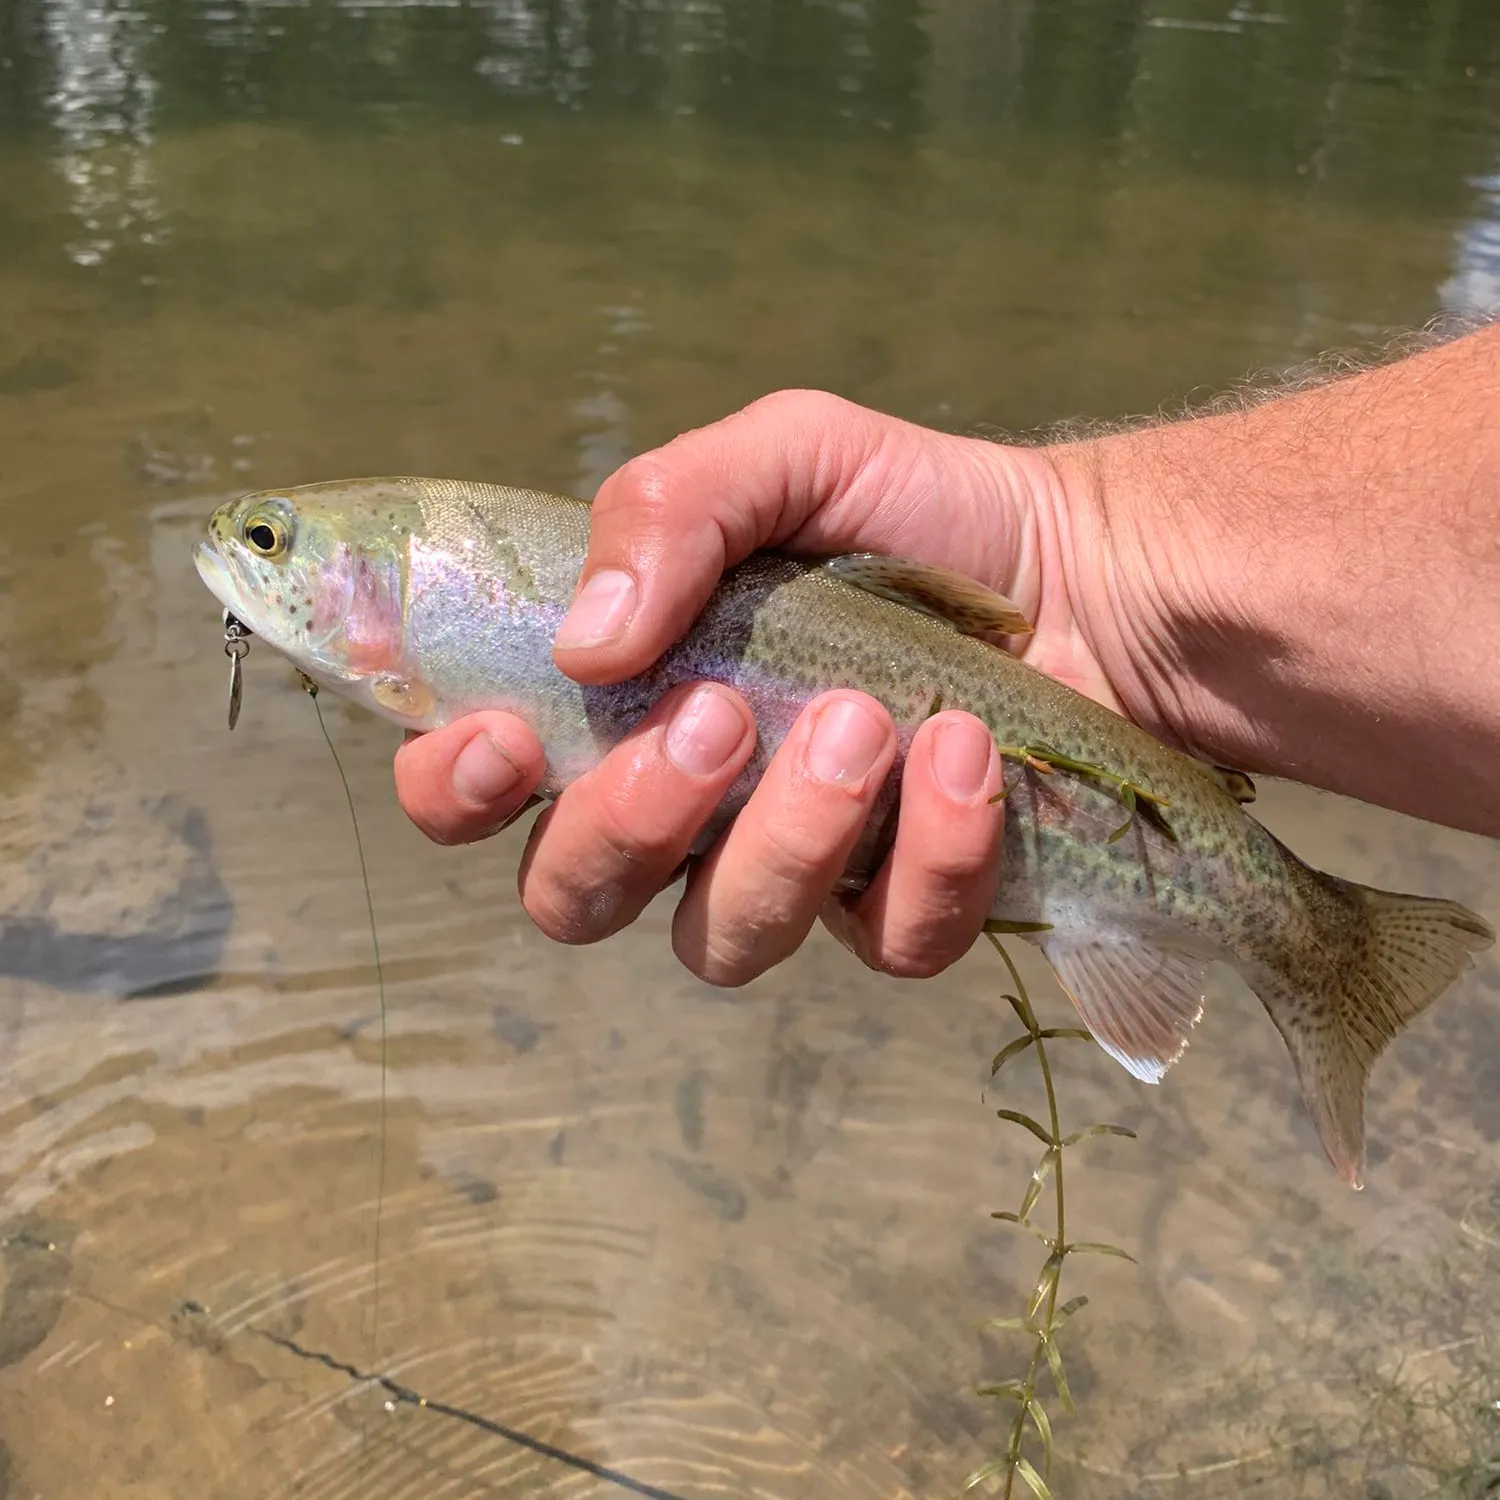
1139 1001
407 696
967 605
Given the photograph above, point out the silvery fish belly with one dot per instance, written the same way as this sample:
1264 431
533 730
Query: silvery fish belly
1131 865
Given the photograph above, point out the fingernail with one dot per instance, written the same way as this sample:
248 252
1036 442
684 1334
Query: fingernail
846 741
601 611
483 772
704 733
961 754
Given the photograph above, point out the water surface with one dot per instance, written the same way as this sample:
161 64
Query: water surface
717 1243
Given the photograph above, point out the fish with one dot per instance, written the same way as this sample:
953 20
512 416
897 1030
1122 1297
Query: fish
1131 865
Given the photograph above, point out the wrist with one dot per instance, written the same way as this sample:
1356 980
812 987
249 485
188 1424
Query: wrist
1207 597
1301 586
1134 560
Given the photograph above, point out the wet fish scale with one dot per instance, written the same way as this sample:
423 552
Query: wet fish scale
434 598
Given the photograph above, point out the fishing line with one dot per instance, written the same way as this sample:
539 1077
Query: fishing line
406 1396
364 873
402 1393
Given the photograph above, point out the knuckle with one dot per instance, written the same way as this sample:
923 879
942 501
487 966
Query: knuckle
929 932
866 933
568 914
725 962
918 962
909 952
641 485
554 895
632 836
793 852
731 944
760 931
607 853
948 873
442 826
809 405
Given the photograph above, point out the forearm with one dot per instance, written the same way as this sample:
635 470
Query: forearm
1311 587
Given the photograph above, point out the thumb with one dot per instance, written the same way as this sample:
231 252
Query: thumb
801 469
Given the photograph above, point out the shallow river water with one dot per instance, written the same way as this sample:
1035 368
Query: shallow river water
708 1243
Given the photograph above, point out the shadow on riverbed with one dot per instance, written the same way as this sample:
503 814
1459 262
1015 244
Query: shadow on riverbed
157 853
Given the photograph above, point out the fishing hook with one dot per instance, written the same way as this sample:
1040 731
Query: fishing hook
236 647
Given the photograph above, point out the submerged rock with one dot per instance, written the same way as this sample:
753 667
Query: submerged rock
113 891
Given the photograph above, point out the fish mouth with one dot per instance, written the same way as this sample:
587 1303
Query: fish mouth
223 582
243 600
220 580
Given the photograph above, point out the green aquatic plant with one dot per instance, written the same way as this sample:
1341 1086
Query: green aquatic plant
1382 1380
1046 1314
1416 1350
1137 800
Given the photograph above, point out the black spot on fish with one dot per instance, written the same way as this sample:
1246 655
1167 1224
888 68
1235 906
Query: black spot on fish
556 1147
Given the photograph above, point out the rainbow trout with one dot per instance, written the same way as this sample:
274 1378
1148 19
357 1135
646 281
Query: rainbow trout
1132 865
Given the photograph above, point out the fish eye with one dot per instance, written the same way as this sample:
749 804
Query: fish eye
266 534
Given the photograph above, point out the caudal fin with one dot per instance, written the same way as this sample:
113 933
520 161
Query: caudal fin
1414 949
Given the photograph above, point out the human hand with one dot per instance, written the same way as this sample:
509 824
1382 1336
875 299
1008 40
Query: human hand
807 473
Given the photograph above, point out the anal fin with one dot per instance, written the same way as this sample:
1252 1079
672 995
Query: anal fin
965 603
1138 1000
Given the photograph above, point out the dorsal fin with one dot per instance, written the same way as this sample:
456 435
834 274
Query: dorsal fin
967 605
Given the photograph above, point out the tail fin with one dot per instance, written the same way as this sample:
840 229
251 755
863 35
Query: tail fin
1415 948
